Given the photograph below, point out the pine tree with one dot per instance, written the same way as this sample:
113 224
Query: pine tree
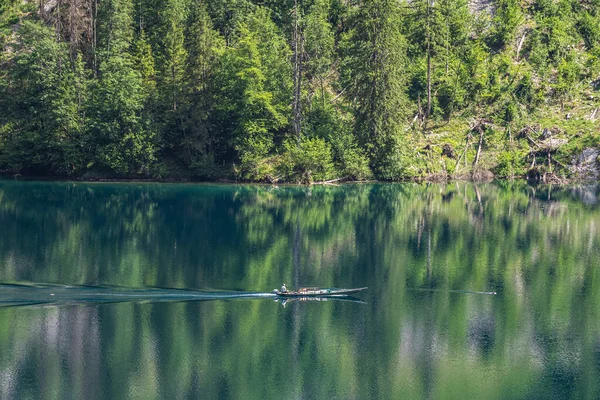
121 130
143 60
248 100
508 17
452 44
43 104
199 146
375 77
173 53
298 49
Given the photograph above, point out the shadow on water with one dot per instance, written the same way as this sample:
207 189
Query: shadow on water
20 295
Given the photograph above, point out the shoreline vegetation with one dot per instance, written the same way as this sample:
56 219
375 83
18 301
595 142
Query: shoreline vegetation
478 178
313 91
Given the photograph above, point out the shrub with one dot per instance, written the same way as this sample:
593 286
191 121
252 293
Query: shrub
306 162
204 167
350 159
511 164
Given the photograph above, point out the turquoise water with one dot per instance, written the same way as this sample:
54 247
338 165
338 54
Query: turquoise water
143 291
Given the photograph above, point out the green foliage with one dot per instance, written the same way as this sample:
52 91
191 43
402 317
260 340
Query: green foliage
306 162
121 131
43 102
331 124
511 164
252 70
375 55
143 59
589 28
203 167
319 41
507 19
351 160
173 53
567 76
199 142
204 89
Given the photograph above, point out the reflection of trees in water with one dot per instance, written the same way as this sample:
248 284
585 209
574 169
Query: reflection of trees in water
587 194
538 247
481 333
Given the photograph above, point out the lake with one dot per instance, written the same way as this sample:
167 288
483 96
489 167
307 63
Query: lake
428 327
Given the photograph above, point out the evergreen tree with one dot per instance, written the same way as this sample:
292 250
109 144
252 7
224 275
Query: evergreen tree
200 145
450 76
248 102
508 17
122 131
43 102
173 53
275 56
375 77
143 61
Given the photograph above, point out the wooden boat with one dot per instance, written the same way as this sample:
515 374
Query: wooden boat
318 292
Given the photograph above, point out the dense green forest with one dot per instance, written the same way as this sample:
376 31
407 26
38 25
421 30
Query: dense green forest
300 90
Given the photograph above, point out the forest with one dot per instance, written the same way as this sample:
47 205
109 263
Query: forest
300 90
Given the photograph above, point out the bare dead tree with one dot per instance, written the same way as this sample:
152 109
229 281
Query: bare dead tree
479 126
73 22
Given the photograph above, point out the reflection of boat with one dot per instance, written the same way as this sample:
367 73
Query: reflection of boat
285 300
318 292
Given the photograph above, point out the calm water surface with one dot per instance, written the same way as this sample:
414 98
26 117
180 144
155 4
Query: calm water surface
421 332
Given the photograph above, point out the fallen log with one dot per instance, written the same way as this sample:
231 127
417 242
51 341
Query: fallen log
332 181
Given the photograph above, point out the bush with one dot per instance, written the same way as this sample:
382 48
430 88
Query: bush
350 159
511 164
306 162
204 167
402 162
589 29
255 168
335 126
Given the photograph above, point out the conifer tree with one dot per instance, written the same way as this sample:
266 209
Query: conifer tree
507 18
254 112
204 45
172 53
452 44
124 137
43 104
143 59
375 77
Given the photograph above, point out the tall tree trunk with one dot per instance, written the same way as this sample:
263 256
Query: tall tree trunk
297 44
58 23
447 44
95 38
174 88
428 38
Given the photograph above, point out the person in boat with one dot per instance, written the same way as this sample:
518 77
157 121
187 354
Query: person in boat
283 289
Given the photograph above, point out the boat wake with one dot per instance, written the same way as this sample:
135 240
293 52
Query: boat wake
451 291
11 295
